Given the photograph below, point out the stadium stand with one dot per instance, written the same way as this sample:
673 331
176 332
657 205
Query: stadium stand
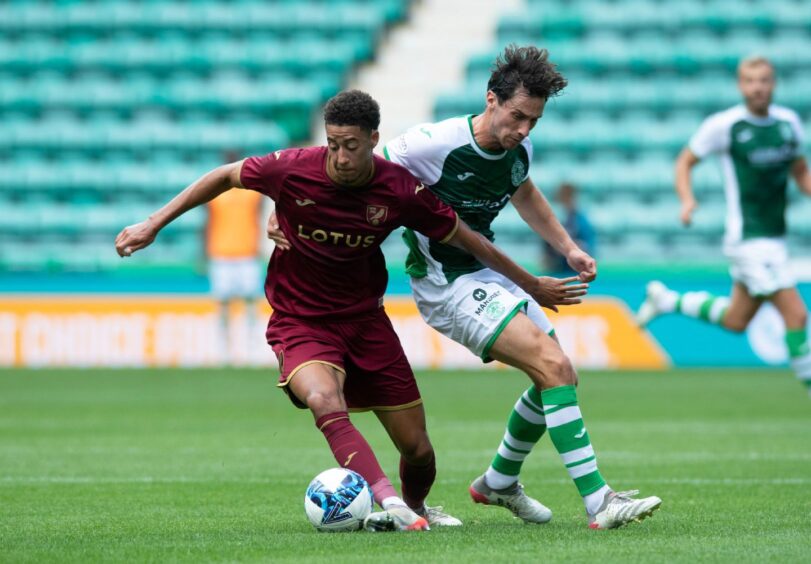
109 107
642 75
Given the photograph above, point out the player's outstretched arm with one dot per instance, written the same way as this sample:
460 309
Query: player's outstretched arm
205 188
534 209
684 188
801 174
549 292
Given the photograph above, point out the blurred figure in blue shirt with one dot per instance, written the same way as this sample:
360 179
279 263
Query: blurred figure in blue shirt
576 224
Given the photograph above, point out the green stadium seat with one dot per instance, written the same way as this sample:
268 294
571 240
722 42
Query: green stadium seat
135 17
95 139
106 109
611 220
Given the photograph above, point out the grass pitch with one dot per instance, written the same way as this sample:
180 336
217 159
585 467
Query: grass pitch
170 465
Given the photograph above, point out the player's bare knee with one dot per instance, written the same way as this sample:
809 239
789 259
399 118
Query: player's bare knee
573 380
547 364
558 370
418 451
736 325
324 402
568 374
796 319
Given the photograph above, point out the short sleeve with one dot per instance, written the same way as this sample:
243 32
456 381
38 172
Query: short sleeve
712 136
799 133
418 151
427 214
265 174
527 144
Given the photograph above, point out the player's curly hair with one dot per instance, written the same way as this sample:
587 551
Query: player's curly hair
529 67
353 107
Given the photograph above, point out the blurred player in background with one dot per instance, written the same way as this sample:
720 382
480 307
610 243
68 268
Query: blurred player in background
336 347
760 145
232 247
576 224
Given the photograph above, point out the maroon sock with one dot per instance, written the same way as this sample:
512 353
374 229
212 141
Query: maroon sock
417 481
352 451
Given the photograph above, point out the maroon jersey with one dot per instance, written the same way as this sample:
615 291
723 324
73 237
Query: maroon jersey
335 268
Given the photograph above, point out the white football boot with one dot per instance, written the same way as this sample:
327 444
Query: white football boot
657 299
395 518
620 508
513 498
436 517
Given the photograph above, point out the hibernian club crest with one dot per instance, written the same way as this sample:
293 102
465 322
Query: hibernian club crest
519 172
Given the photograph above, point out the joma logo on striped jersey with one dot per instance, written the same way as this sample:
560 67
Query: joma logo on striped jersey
483 305
335 238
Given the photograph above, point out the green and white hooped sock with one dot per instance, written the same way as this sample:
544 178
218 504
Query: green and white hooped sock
799 354
569 435
525 427
703 305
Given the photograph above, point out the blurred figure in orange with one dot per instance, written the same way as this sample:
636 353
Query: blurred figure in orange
232 246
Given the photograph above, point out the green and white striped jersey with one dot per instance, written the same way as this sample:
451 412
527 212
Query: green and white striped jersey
756 155
475 182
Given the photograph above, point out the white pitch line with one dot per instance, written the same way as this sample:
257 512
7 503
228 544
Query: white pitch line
678 481
189 480
129 480
659 458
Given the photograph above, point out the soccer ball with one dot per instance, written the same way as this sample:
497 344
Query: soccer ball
338 499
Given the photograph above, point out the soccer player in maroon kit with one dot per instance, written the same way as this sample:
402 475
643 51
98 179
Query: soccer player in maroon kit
336 347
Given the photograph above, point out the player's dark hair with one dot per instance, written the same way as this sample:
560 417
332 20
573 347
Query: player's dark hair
529 67
353 107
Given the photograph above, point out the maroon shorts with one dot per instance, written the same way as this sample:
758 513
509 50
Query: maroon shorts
367 350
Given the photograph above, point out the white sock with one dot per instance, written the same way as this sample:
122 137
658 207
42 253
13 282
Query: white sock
802 368
691 302
594 500
391 501
667 301
498 481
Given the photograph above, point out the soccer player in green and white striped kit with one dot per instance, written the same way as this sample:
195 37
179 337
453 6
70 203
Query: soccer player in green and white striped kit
478 164
759 145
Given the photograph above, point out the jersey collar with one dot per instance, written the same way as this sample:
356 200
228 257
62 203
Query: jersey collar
481 151
758 120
